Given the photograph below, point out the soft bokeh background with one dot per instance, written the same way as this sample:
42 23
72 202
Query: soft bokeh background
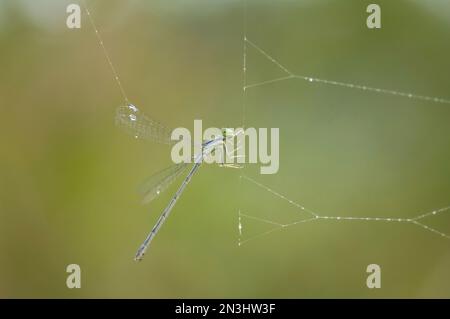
68 176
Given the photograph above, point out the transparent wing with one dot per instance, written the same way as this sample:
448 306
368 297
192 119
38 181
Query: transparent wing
160 181
137 124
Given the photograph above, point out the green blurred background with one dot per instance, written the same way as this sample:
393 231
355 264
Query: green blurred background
68 176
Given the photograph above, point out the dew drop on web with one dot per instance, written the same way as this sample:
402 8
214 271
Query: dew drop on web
133 108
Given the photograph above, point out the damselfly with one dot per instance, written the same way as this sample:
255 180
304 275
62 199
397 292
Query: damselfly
141 126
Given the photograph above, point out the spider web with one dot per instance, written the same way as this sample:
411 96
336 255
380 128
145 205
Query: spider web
306 214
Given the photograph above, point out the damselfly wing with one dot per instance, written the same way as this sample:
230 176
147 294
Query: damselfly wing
159 182
139 125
